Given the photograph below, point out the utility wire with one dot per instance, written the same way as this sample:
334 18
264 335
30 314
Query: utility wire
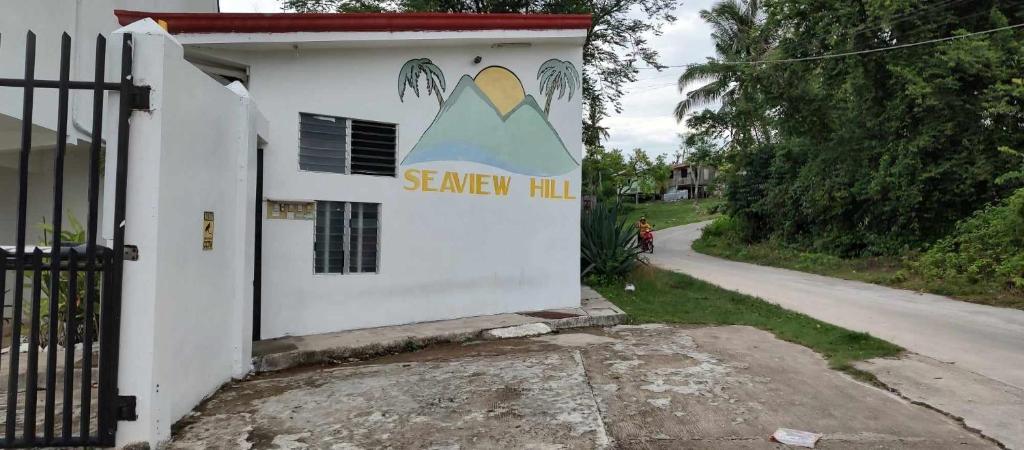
927 26
662 74
907 15
858 52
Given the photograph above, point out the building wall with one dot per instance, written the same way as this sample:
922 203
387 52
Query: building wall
443 255
83 20
186 310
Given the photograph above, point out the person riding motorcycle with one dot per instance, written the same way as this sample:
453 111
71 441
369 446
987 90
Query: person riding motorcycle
645 231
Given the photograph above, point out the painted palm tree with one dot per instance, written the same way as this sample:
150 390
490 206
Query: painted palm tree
557 75
740 35
410 76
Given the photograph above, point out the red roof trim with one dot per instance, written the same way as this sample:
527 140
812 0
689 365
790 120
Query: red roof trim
296 22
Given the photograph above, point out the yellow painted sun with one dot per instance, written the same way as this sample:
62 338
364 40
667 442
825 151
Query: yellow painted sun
502 87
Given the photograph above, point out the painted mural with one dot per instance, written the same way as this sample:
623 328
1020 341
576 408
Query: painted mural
490 119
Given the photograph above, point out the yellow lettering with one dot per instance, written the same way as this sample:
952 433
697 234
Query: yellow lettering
411 176
567 191
534 187
459 182
501 184
449 182
428 176
554 188
481 184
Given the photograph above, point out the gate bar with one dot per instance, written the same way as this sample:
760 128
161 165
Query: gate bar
19 252
55 84
111 310
70 309
57 218
32 371
90 255
3 292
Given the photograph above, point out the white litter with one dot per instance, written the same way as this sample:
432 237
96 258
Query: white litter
630 287
530 329
796 437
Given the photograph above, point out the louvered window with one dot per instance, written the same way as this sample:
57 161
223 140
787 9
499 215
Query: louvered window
322 143
348 146
373 147
347 237
363 227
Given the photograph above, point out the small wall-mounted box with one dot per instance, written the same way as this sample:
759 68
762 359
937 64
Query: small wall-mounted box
291 210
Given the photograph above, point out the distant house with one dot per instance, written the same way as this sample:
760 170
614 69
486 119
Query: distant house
688 181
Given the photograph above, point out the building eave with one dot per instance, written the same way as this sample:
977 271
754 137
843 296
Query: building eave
188 23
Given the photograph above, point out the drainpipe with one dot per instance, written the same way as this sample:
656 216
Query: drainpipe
75 123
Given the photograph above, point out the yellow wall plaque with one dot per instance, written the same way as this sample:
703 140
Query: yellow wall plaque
207 230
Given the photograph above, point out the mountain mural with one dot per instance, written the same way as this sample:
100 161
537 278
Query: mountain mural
481 122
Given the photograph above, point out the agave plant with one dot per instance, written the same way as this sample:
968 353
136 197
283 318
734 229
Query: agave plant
67 301
410 76
557 75
608 243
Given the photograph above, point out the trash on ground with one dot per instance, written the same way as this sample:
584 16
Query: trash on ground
630 287
796 437
530 329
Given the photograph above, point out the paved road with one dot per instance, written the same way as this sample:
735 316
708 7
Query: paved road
986 340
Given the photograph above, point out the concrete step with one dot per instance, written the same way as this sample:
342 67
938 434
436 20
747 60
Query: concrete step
294 351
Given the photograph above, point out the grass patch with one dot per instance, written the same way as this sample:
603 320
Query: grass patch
887 271
671 214
662 296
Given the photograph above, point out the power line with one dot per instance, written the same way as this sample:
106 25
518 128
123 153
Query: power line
907 15
858 52
881 27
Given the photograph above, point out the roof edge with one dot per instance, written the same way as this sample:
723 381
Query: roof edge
180 23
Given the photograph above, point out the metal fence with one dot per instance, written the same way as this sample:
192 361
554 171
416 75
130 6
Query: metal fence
61 366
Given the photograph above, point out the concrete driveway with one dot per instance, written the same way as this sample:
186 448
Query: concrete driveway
622 387
958 340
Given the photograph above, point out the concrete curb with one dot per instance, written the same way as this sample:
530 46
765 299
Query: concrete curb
296 351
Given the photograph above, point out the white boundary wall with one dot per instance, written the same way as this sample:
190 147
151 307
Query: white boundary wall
186 312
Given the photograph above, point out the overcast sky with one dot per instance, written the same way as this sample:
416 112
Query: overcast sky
646 120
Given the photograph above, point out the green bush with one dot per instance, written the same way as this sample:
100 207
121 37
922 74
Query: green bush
607 243
986 247
725 229
74 234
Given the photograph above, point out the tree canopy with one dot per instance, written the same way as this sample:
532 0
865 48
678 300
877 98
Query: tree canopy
871 153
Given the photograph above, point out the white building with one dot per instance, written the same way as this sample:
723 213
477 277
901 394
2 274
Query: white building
433 128
413 167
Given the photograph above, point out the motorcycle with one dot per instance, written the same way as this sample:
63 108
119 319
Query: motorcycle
647 242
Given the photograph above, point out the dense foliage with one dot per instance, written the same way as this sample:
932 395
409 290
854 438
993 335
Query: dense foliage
987 246
609 247
868 154
615 46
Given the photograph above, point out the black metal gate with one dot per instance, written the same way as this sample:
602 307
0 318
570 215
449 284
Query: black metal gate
66 293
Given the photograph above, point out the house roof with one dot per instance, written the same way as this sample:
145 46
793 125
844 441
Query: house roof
373 22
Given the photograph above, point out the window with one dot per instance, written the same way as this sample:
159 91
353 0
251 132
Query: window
348 146
373 145
347 237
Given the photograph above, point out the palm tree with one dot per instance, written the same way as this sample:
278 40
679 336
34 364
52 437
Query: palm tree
559 75
410 76
740 35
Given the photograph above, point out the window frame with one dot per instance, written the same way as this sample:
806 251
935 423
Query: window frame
347 240
347 151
